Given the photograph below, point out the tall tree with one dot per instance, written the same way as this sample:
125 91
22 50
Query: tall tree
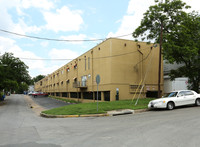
163 15
168 23
13 73
183 47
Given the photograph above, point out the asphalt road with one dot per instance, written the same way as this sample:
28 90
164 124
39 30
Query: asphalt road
21 127
48 103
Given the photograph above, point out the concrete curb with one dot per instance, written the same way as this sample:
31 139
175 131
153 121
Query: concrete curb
141 110
67 116
120 112
109 113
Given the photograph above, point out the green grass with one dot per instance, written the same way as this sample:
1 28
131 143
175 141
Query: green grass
103 107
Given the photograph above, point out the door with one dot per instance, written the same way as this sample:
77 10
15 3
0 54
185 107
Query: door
189 97
179 100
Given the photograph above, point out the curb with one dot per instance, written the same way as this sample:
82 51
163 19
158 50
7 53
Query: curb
114 113
141 110
67 116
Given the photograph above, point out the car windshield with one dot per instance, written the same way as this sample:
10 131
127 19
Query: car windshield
172 94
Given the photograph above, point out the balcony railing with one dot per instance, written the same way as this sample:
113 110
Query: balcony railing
78 84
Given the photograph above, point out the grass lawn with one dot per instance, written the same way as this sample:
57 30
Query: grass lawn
103 107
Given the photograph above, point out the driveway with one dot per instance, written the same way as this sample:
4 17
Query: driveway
47 102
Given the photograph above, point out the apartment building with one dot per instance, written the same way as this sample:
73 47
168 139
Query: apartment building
127 69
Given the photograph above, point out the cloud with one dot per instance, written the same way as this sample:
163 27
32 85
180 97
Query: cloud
6 20
9 45
63 20
42 4
132 19
134 15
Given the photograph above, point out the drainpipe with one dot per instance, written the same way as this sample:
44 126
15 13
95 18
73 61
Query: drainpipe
141 60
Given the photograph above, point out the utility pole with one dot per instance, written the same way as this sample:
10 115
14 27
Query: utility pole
159 66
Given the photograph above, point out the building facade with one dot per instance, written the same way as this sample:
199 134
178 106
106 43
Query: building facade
127 69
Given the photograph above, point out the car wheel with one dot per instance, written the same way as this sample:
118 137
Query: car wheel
197 102
170 105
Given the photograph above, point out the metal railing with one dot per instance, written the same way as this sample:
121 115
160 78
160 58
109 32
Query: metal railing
78 84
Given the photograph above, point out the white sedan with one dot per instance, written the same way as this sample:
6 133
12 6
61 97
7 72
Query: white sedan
176 98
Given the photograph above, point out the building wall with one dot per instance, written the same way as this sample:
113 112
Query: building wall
121 64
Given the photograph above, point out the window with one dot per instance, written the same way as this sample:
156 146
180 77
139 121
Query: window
189 93
88 63
67 81
85 62
75 66
83 80
67 69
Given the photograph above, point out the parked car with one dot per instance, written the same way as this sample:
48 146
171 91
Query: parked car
35 94
30 93
176 98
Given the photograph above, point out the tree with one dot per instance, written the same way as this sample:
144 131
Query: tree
183 47
160 17
14 73
22 87
38 78
11 85
168 24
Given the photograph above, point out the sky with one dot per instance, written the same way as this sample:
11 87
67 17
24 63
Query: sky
66 20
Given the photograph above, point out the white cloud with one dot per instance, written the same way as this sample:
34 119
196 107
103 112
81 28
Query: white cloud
42 4
7 23
63 20
134 15
9 45
132 19
74 37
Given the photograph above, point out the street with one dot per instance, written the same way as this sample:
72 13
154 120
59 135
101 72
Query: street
20 126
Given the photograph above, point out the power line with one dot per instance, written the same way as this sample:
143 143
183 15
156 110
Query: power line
94 58
64 40
42 59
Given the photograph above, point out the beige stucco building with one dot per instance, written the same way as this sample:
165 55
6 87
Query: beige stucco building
125 68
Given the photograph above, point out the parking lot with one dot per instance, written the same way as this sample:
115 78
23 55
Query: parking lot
47 102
